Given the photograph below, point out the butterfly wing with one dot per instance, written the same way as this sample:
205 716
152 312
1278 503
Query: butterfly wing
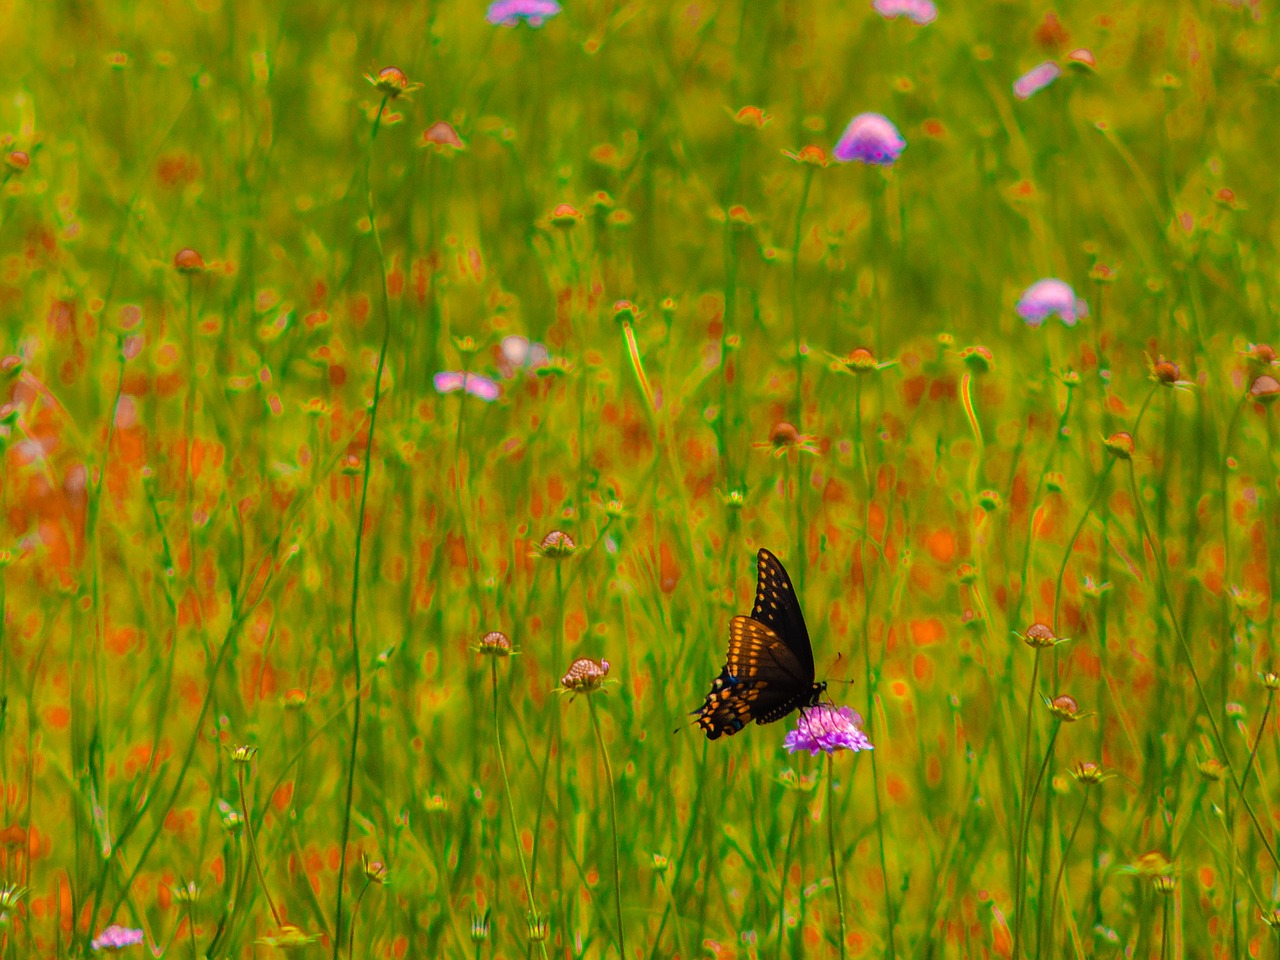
778 609
762 680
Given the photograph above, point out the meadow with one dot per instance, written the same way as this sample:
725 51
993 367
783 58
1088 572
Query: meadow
365 366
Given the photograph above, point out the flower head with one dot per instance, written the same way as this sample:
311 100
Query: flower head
1120 444
919 12
188 261
827 728
870 138
1065 708
1089 773
585 675
1040 636
391 82
448 381
442 138
1265 389
859 361
556 545
784 437
978 359
814 156
116 937
752 117
1047 297
1082 59
564 216
18 160
1036 79
1167 373
495 643
512 13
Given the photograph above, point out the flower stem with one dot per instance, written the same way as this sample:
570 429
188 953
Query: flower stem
1024 828
1018 855
1163 586
355 909
613 825
253 845
831 844
1062 867
364 498
506 789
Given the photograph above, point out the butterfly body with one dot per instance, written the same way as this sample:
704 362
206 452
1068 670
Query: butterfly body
769 668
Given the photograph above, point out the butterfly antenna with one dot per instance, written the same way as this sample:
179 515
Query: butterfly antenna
839 657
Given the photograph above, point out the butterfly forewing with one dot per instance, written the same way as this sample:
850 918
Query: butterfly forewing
776 607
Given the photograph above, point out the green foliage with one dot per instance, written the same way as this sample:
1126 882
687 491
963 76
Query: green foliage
745 346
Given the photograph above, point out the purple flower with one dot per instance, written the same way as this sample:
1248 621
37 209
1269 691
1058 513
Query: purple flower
447 381
1049 296
522 353
116 937
917 11
827 728
510 13
871 138
1036 79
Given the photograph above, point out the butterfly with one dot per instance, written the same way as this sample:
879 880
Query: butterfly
769 668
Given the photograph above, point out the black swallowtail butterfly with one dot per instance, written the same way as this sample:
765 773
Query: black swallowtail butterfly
769 669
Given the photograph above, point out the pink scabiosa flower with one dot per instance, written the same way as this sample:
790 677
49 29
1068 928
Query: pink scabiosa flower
511 13
521 353
827 728
1036 79
870 138
116 937
482 388
919 12
1047 297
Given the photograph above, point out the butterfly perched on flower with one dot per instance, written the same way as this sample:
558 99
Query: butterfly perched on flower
769 668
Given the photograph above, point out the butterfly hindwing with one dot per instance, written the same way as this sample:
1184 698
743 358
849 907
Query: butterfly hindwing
762 680
778 608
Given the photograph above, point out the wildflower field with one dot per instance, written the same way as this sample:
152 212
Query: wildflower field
399 403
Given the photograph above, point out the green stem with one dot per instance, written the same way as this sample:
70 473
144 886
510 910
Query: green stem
506 789
831 845
355 909
1071 542
795 291
613 825
359 546
1062 868
1022 838
253 844
1262 728
1219 742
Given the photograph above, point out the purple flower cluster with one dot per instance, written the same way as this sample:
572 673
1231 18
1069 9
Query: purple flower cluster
448 381
827 728
510 13
870 138
1049 296
917 11
1036 79
116 937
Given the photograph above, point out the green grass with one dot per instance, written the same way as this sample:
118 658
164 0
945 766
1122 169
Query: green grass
221 528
